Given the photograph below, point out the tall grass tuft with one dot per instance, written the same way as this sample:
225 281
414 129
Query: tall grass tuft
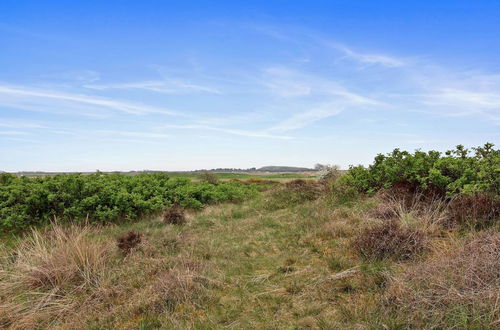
45 273
458 288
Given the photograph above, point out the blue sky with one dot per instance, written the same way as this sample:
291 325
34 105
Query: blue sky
181 85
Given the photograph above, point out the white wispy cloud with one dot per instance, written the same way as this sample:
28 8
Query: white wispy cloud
322 97
20 124
464 98
320 112
290 83
12 132
136 134
460 103
24 97
306 37
284 88
159 86
79 76
257 134
450 93
308 117
371 59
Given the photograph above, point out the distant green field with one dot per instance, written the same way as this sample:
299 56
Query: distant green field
196 175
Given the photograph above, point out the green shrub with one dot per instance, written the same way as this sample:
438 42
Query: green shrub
457 171
101 197
209 177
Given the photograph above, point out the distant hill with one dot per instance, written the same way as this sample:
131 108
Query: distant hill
284 169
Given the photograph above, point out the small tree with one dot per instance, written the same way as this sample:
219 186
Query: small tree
208 177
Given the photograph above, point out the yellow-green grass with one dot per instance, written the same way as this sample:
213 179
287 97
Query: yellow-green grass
236 266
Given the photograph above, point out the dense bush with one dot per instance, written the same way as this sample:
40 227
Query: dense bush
103 197
457 171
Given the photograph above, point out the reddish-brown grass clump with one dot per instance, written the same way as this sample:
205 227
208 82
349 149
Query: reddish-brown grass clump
390 240
174 215
129 240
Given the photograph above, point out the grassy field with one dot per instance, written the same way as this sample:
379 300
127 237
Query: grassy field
412 242
281 260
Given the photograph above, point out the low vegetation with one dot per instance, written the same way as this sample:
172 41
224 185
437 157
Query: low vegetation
103 198
383 247
390 240
129 240
49 272
174 215
459 286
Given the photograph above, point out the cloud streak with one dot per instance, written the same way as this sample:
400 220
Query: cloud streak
257 134
135 134
323 98
371 59
17 96
165 87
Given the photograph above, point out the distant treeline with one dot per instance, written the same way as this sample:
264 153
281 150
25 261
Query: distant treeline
217 170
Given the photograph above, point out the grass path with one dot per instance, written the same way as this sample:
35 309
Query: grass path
265 269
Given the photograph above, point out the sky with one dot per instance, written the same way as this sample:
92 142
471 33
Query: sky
183 85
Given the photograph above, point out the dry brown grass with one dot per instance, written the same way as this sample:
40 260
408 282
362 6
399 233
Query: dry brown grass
44 274
260 181
424 213
418 211
458 288
182 283
471 211
389 240
383 210
477 211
